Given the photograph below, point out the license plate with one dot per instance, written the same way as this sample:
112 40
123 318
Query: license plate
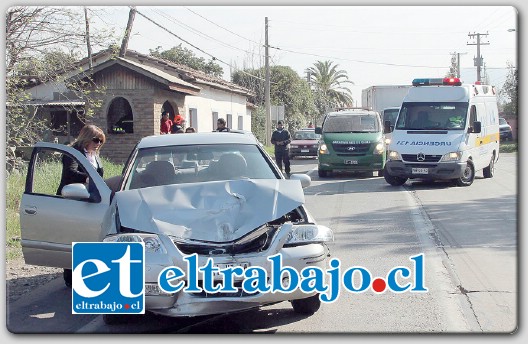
420 171
243 265
305 150
351 162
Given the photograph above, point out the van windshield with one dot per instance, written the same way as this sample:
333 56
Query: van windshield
351 124
432 116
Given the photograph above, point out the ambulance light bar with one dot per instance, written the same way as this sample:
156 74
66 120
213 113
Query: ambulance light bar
437 81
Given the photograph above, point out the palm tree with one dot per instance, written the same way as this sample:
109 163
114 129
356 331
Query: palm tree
328 84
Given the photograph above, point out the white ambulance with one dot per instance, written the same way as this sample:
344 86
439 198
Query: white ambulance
445 130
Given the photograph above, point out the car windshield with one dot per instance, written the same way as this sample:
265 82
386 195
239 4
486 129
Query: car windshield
432 116
351 123
197 163
502 121
306 135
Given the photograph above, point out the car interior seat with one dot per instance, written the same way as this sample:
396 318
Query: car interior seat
230 166
158 173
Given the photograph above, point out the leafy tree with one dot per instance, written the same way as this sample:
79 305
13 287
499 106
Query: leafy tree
286 88
510 91
329 86
42 44
186 57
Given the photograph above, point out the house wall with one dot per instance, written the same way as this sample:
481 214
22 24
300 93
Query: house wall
215 100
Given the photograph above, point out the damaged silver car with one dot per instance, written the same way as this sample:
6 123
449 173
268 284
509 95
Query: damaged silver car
217 195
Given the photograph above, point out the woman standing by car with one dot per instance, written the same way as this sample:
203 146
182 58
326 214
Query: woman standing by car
89 142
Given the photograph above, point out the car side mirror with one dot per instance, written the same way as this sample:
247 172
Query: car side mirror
305 179
318 130
476 128
75 191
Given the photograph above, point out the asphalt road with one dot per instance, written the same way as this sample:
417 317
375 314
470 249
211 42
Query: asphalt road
467 236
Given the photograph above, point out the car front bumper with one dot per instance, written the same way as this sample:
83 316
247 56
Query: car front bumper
444 170
330 162
197 304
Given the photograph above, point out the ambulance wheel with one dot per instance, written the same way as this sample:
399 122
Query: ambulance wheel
490 170
394 180
67 275
309 305
468 176
322 173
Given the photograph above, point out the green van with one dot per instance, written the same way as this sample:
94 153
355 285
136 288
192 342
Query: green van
351 140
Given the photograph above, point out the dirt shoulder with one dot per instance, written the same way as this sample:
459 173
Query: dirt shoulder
22 278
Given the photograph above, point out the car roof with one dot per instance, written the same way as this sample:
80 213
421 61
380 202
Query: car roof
233 137
345 112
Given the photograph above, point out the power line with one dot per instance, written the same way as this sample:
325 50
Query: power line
234 33
195 47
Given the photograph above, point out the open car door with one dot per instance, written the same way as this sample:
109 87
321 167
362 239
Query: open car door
49 222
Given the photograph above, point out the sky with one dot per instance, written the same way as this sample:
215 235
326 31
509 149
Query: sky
375 45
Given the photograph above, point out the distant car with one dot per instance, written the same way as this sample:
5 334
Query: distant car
505 130
304 143
219 195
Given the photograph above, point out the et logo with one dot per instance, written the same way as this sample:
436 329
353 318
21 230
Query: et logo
108 278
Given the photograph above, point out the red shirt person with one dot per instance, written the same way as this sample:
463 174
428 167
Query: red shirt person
166 123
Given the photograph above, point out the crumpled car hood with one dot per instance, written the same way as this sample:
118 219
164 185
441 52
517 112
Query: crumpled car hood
214 211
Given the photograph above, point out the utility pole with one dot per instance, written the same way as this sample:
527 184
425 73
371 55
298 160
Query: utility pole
124 43
478 60
267 88
90 63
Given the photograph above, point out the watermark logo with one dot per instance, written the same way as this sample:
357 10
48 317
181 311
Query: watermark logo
108 278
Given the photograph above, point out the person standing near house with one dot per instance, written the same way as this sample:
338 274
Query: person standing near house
281 140
177 126
166 123
221 125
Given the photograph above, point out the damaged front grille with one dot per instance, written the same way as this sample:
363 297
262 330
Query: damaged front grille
258 244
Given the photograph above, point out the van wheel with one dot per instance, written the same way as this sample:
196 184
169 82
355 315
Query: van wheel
468 176
322 173
393 180
67 275
309 305
489 171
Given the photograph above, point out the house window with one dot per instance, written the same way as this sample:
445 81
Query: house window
193 118
215 118
229 121
120 117
241 122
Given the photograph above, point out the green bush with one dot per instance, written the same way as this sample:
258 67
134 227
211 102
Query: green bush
508 147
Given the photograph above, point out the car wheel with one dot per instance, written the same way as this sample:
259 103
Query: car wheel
67 275
322 173
393 180
468 176
490 170
309 305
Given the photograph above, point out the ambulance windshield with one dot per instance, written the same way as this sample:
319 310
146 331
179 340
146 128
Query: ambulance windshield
432 116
